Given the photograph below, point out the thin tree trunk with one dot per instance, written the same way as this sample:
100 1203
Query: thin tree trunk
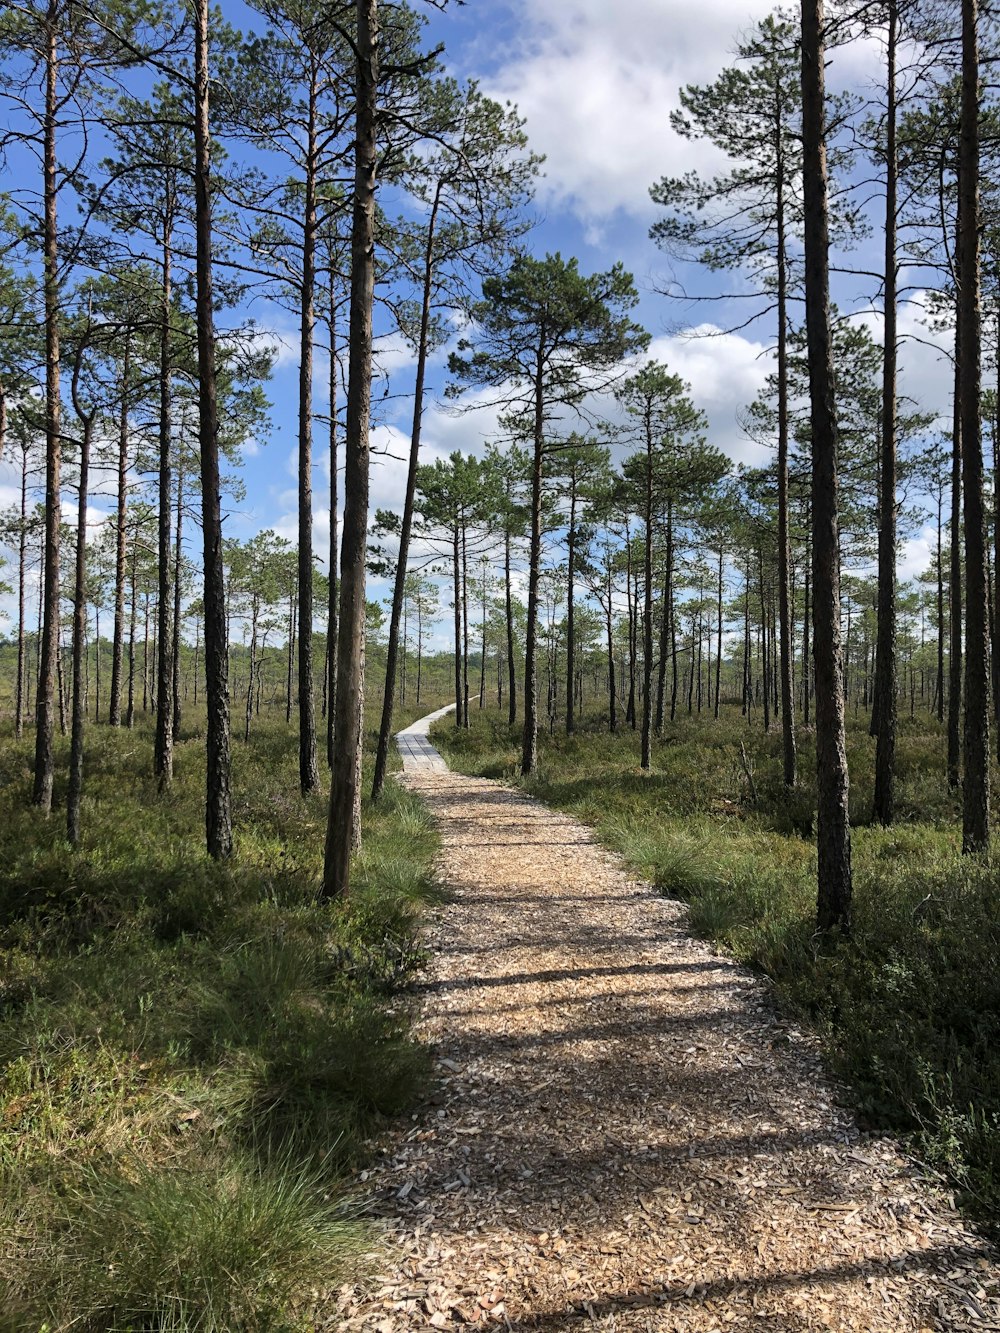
118 639
509 618
718 648
77 712
175 627
163 750
465 625
647 620
570 625
406 522
529 739
133 598
49 645
765 659
612 692
955 584
22 561
785 664
884 705
218 797
308 770
456 578
482 649
666 616
290 659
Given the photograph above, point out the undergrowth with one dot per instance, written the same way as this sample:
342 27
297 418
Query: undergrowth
909 1007
192 1055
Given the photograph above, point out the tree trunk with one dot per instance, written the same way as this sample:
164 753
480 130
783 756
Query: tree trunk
718 647
163 750
465 624
77 712
482 647
22 562
334 554
133 599
349 701
175 627
666 616
785 655
833 826
49 646
884 705
509 618
995 613
290 658
456 578
218 797
308 770
406 522
612 692
529 738
570 627
976 747
118 639
955 583
647 593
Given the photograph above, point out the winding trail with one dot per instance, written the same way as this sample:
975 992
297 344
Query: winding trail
626 1136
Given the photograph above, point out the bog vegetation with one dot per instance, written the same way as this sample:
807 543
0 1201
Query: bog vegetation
201 1011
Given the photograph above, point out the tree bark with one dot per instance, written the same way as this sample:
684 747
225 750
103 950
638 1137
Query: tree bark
218 797
349 702
509 617
718 649
456 580
175 627
785 654
647 593
570 628
77 712
955 647
465 623
163 751
406 523
334 554
49 647
22 562
884 705
529 738
976 747
833 826
308 770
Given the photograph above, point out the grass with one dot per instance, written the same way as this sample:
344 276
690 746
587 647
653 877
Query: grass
909 1007
192 1056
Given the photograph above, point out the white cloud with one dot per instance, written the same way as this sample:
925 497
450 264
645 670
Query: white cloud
597 83
726 372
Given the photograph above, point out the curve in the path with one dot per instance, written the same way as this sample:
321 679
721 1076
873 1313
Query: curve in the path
626 1137
415 750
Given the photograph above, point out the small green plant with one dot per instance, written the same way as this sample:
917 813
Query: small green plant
193 1054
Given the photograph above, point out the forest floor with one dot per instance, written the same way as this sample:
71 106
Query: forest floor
627 1135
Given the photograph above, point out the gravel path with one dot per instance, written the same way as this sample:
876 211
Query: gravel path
626 1136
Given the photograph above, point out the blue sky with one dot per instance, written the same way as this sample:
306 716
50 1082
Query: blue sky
596 82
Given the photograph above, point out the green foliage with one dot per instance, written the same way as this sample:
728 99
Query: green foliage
908 1007
192 1055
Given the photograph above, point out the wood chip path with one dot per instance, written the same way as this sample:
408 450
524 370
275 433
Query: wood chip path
626 1136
